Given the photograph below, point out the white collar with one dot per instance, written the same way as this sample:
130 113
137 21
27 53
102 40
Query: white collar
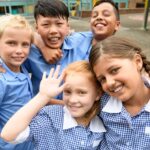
113 106
96 124
147 107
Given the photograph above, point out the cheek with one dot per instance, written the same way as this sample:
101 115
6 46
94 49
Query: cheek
104 87
42 31
27 51
65 98
64 31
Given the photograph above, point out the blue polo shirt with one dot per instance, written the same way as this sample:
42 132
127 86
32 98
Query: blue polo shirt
75 47
15 91
125 132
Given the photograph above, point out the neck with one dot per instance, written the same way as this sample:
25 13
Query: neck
136 103
86 119
95 40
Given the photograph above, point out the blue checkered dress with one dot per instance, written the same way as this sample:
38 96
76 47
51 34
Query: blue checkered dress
46 131
123 131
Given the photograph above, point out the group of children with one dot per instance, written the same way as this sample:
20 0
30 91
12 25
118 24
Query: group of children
106 99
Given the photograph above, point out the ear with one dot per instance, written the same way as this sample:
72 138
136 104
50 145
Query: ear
117 26
36 27
138 61
69 30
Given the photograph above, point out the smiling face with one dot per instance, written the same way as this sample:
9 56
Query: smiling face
104 21
80 93
53 30
119 77
14 47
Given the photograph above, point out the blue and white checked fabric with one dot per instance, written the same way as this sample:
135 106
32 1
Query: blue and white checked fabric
123 131
47 132
54 129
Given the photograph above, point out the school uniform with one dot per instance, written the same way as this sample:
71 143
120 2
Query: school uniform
15 91
124 132
54 129
75 47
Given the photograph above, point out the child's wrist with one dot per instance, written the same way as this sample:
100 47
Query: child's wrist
43 97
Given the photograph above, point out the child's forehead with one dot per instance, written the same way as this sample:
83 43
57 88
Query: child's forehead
103 6
79 76
49 18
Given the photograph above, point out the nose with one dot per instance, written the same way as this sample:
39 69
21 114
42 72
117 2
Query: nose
73 98
99 16
110 81
53 29
19 50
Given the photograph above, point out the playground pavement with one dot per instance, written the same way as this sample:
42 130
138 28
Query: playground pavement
132 26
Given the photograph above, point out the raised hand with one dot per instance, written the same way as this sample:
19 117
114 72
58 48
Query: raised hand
50 86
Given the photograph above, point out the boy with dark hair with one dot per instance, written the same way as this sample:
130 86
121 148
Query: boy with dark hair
52 25
104 22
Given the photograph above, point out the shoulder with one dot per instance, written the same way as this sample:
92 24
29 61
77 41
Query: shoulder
52 110
81 35
80 42
52 114
34 50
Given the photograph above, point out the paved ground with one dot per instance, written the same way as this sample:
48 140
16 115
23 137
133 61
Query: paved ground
131 27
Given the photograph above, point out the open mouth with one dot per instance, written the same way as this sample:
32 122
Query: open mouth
117 89
100 25
54 39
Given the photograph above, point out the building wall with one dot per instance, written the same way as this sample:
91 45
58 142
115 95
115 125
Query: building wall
24 7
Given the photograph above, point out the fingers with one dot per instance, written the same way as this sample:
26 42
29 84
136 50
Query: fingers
51 72
2 70
56 56
44 76
56 71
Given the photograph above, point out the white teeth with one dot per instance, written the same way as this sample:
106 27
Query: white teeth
118 89
54 39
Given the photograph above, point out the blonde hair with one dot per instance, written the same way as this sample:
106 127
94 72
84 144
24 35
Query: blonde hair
83 66
14 21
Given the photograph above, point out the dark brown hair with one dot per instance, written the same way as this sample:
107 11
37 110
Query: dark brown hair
118 47
51 8
116 10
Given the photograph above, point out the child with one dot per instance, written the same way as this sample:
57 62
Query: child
104 22
118 65
74 126
15 85
52 24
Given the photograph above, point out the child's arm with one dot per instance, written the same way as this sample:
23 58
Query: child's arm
55 102
50 55
49 88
